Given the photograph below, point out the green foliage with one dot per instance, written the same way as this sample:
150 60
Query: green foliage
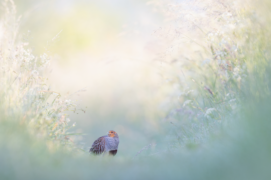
24 93
218 124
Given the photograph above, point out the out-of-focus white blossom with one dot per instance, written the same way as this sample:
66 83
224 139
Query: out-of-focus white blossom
209 112
187 102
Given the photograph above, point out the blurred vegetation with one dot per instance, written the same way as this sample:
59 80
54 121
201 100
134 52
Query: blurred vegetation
209 117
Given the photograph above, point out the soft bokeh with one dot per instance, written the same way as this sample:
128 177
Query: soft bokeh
185 84
104 48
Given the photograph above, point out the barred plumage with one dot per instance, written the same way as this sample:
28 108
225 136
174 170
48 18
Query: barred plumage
98 146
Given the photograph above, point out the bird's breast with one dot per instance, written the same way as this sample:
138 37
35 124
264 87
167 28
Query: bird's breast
112 143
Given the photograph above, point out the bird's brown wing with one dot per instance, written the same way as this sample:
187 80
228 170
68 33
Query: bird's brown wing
98 146
113 152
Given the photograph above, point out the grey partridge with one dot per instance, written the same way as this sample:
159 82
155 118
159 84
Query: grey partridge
106 144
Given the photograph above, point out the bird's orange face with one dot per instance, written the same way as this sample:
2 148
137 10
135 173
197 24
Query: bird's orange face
112 133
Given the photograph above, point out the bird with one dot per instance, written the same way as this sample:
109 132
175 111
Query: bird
106 144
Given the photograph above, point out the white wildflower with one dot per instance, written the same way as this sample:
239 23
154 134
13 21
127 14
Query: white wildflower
233 103
47 118
209 112
35 73
68 101
187 102
68 120
236 71
188 92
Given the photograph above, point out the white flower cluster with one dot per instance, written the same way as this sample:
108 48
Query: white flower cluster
209 112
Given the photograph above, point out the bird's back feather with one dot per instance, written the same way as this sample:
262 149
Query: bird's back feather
98 147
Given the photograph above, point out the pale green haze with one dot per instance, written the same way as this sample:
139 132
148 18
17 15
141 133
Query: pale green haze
184 83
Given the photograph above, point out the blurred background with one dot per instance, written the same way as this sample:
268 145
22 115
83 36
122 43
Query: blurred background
184 83
103 48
